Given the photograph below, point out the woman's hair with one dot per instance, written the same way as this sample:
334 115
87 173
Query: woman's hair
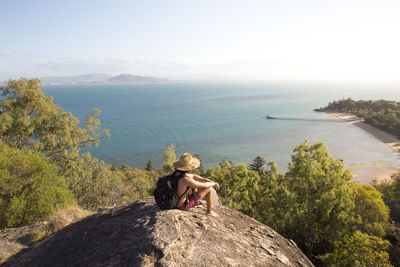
178 172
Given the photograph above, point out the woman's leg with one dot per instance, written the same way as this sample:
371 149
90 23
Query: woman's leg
206 192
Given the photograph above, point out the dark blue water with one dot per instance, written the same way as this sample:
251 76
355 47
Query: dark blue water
222 121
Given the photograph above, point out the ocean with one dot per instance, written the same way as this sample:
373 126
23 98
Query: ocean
223 121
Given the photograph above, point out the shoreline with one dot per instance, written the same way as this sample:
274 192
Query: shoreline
378 170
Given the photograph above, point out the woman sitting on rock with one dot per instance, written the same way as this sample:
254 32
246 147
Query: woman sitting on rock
191 187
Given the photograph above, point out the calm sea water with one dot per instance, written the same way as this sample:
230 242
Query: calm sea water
222 121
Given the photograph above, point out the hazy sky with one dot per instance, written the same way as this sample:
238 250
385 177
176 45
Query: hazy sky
185 39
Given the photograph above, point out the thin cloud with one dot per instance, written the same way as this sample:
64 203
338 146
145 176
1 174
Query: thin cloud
15 65
5 52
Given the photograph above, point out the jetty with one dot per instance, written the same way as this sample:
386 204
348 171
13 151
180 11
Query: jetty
270 117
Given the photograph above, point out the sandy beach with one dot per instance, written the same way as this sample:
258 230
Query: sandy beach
382 170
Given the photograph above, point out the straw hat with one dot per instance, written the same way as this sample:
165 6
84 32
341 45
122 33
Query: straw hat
186 163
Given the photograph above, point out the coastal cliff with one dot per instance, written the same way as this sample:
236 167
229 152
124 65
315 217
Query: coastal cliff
139 234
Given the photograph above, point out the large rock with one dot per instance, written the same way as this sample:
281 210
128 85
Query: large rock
139 234
13 240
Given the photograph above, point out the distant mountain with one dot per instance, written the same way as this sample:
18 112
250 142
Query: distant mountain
84 78
130 78
100 78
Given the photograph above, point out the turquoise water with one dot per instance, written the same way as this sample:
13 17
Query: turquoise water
223 121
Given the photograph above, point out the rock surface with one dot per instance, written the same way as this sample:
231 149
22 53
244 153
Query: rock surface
139 234
12 240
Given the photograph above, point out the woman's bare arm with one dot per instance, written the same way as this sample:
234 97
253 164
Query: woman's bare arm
200 185
204 181
201 179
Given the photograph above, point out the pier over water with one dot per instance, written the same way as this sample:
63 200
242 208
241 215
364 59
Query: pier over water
270 117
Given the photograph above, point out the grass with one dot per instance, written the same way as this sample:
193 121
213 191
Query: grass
59 220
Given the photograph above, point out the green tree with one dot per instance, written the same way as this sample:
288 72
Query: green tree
319 186
257 164
389 189
138 183
30 188
200 169
169 158
149 166
124 167
274 199
371 213
359 249
31 121
93 182
238 186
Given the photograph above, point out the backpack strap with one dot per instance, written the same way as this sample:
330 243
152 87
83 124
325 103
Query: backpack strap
187 188
178 177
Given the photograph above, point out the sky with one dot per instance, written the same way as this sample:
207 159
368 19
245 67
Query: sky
207 39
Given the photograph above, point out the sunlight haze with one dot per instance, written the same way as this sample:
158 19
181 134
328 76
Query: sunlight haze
236 40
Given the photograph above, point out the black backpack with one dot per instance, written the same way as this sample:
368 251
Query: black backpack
165 192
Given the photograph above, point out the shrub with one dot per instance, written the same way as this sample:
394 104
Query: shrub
59 220
30 188
318 202
371 213
390 189
359 249
138 183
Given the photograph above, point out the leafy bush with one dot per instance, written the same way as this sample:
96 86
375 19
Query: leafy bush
30 120
314 203
138 183
169 158
30 188
238 186
389 189
359 249
319 203
371 213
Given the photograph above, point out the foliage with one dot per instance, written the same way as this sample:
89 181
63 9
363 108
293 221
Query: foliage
359 249
30 120
57 221
200 169
30 188
314 203
138 183
169 158
320 197
371 213
389 189
274 199
149 166
382 114
93 182
257 164
238 186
